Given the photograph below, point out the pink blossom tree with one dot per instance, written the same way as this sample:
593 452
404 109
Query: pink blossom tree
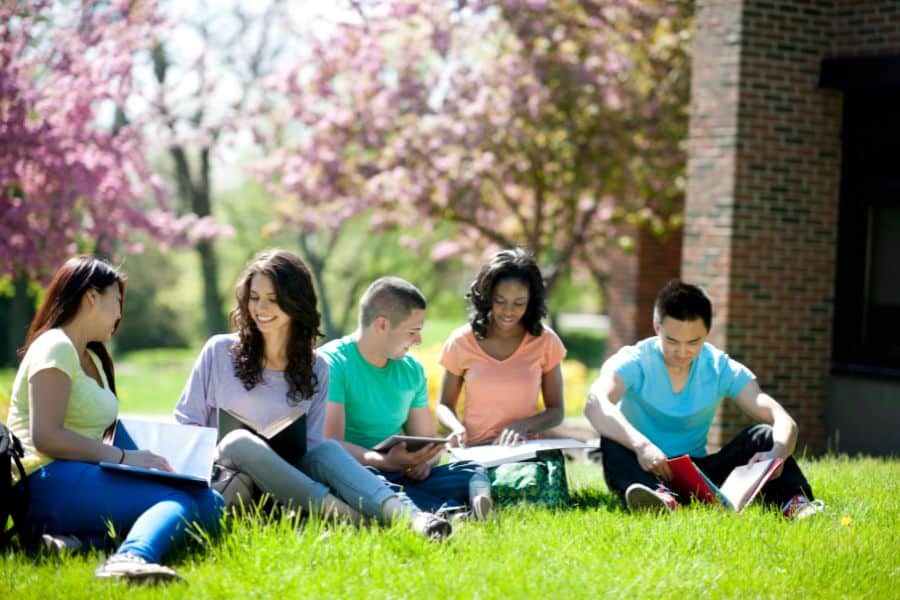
553 125
68 182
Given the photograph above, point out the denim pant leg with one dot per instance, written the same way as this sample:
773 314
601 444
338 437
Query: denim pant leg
77 498
250 454
621 468
329 463
756 438
446 487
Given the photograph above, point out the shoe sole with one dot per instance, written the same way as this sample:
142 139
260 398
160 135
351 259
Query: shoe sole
639 498
483 507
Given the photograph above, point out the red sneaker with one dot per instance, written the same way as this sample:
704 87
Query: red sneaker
640 497
800 507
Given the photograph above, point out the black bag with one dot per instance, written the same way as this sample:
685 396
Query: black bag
13 498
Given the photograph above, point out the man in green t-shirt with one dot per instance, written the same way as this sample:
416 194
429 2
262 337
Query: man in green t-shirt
377 390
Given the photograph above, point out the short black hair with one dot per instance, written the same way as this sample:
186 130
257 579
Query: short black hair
682 301
516 264
390 297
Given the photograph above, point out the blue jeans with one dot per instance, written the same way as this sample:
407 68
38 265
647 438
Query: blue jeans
446 487
78 498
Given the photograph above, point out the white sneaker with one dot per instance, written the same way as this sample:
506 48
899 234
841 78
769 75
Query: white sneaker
483 507
640 497
135 569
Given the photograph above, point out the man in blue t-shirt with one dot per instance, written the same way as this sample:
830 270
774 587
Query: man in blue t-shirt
656 400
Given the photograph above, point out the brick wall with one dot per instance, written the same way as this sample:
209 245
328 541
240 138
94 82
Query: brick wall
633 282
763 182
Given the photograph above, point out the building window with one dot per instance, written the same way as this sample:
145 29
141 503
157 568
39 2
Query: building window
867 293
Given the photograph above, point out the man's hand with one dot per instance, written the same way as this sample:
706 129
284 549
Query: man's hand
776 452
419 472
401 458
653 461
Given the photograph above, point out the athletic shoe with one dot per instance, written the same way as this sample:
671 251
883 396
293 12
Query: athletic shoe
61 544
640 497
801 507
431 526
483 507
135 569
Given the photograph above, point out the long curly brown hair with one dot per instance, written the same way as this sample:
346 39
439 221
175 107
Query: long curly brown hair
297 298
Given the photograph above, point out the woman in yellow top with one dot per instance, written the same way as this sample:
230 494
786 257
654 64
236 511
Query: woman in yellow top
504 357
63 400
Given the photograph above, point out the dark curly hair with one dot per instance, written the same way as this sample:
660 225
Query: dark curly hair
297 298
516 264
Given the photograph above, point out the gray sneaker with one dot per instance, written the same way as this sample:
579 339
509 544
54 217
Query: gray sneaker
135 569
59 545
431 526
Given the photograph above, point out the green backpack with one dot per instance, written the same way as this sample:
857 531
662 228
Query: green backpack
541 480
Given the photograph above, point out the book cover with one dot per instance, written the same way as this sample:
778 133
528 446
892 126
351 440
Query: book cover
491 455
189 449
741 486
287 437
413 442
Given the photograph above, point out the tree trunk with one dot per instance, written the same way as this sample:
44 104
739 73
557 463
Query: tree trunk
316 263
21 311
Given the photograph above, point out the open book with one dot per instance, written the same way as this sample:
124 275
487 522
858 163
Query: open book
189 449
413 442
286 435
491 456
741 486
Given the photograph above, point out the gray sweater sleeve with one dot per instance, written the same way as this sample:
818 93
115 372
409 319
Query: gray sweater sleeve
315 417
195 406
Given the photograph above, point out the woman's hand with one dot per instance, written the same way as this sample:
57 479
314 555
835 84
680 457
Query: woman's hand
458 439
510 436
146 459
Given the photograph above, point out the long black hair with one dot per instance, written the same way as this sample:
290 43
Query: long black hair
70 283
297 298
514 264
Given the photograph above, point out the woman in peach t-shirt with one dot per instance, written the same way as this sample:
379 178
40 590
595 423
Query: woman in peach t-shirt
504 357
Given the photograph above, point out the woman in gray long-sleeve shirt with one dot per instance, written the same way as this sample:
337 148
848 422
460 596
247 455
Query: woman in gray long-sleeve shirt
265 370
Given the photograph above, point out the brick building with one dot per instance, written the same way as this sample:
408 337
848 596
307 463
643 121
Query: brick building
792 217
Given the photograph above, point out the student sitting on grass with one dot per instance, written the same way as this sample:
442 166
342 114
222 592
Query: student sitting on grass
504 357
63 400
265 369
378 390
656 400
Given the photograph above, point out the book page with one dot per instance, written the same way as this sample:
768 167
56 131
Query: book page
279 424
744 480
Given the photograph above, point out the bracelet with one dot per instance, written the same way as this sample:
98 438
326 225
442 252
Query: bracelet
121 460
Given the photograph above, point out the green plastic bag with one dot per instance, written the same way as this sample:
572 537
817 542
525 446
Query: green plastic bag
541 480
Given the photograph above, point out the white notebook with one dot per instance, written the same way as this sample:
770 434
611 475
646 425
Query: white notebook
189 449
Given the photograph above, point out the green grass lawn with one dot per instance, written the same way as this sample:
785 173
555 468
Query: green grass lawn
593 549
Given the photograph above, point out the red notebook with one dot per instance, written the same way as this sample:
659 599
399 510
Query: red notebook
741 486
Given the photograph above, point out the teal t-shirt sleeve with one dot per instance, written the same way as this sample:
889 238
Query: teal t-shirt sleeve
733 376
337 391
627 365
420 398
